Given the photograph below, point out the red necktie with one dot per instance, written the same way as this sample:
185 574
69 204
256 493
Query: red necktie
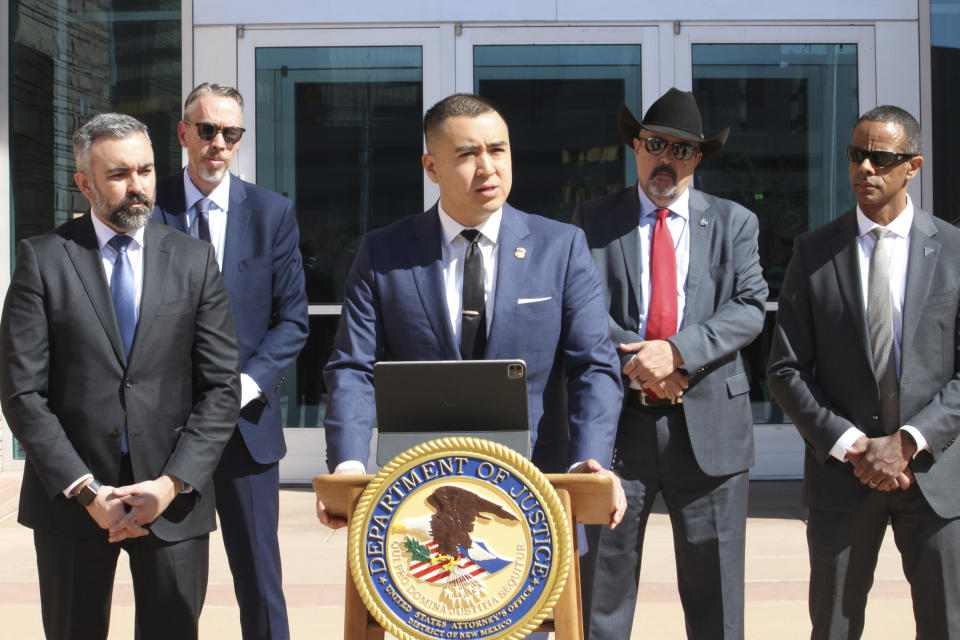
662 315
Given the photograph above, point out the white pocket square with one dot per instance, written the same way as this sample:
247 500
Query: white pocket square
529 300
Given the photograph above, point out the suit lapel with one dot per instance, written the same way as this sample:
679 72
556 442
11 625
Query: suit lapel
427 259
238 218
699 259
846 261
84 252
921 264
156 266
627 218
514 233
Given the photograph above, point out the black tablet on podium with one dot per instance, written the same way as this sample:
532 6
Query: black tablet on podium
421 401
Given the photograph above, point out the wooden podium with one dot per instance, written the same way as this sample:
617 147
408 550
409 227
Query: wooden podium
587 499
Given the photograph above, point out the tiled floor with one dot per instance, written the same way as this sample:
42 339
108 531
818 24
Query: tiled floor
313 556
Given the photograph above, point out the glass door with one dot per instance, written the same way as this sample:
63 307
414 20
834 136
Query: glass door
337 122
560 89
791 96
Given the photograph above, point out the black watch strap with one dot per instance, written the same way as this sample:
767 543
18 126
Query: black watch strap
87 494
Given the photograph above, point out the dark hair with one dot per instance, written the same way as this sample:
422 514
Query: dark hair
211 88
896 115
459 104
115 125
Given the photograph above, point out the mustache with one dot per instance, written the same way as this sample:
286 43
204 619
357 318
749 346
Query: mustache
665 168
132 198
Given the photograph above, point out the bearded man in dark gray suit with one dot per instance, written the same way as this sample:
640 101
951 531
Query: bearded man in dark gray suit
120 381
866 362
685 294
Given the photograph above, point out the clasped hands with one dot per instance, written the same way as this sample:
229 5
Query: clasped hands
126 511
881 463
655 366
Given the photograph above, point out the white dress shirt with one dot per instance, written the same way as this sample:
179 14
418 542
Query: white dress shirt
899 254
108 256
219 205
678 222
217 217
453 252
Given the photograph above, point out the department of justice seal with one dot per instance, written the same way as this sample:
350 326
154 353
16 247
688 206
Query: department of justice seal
459 538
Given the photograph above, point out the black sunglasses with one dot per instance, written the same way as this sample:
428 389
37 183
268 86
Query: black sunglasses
681 150
208 131
880 159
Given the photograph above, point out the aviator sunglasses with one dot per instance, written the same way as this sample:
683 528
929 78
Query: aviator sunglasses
881 159
207 131
681 150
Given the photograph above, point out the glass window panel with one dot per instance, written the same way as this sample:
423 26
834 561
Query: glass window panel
944 71
304 395
791 109
68 62
339 133
560 102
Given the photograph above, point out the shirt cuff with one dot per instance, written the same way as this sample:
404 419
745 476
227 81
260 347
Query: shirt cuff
839 450
249 390
69 490
922 444
350 465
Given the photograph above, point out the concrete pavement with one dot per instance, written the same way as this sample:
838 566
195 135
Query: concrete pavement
313 562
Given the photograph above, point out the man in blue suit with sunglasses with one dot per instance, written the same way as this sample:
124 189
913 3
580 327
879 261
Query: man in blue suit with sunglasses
254 232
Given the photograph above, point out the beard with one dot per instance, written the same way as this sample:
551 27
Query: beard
212 176
659 190
121 214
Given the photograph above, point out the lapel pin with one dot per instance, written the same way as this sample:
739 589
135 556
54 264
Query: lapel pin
520 253
703 222
927 251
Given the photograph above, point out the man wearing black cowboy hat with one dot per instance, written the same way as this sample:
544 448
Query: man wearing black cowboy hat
685 293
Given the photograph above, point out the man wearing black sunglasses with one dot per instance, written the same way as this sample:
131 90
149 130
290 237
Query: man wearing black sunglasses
685 293
254 232
864 362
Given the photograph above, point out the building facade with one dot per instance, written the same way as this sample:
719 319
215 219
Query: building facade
335 93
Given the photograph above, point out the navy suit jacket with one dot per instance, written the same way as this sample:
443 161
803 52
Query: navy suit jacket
263 271
395 309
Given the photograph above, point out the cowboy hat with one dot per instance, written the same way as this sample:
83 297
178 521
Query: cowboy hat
675 113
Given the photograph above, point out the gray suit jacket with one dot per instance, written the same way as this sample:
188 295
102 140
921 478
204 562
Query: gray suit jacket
725 298
67 386
821 369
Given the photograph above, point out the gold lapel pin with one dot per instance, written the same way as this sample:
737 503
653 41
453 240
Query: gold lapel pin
520 253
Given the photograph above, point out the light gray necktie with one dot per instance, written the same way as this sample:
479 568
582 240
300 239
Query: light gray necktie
880 324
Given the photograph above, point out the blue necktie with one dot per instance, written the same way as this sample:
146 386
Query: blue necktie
123 291
202 221
124 294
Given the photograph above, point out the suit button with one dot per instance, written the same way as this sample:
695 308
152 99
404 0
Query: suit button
128 383
875 418
116 433
636 328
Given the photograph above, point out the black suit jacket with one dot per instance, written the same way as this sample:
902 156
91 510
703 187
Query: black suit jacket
67 387
821 367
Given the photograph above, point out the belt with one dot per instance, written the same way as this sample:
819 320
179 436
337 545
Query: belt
640 398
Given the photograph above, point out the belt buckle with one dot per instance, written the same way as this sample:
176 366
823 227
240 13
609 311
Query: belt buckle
647 401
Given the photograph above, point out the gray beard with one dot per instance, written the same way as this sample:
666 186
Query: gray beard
213 177
662 193
131 219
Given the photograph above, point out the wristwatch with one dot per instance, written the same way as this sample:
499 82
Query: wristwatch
87 494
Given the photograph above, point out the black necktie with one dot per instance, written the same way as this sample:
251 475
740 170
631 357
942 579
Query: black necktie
473 330
202 220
